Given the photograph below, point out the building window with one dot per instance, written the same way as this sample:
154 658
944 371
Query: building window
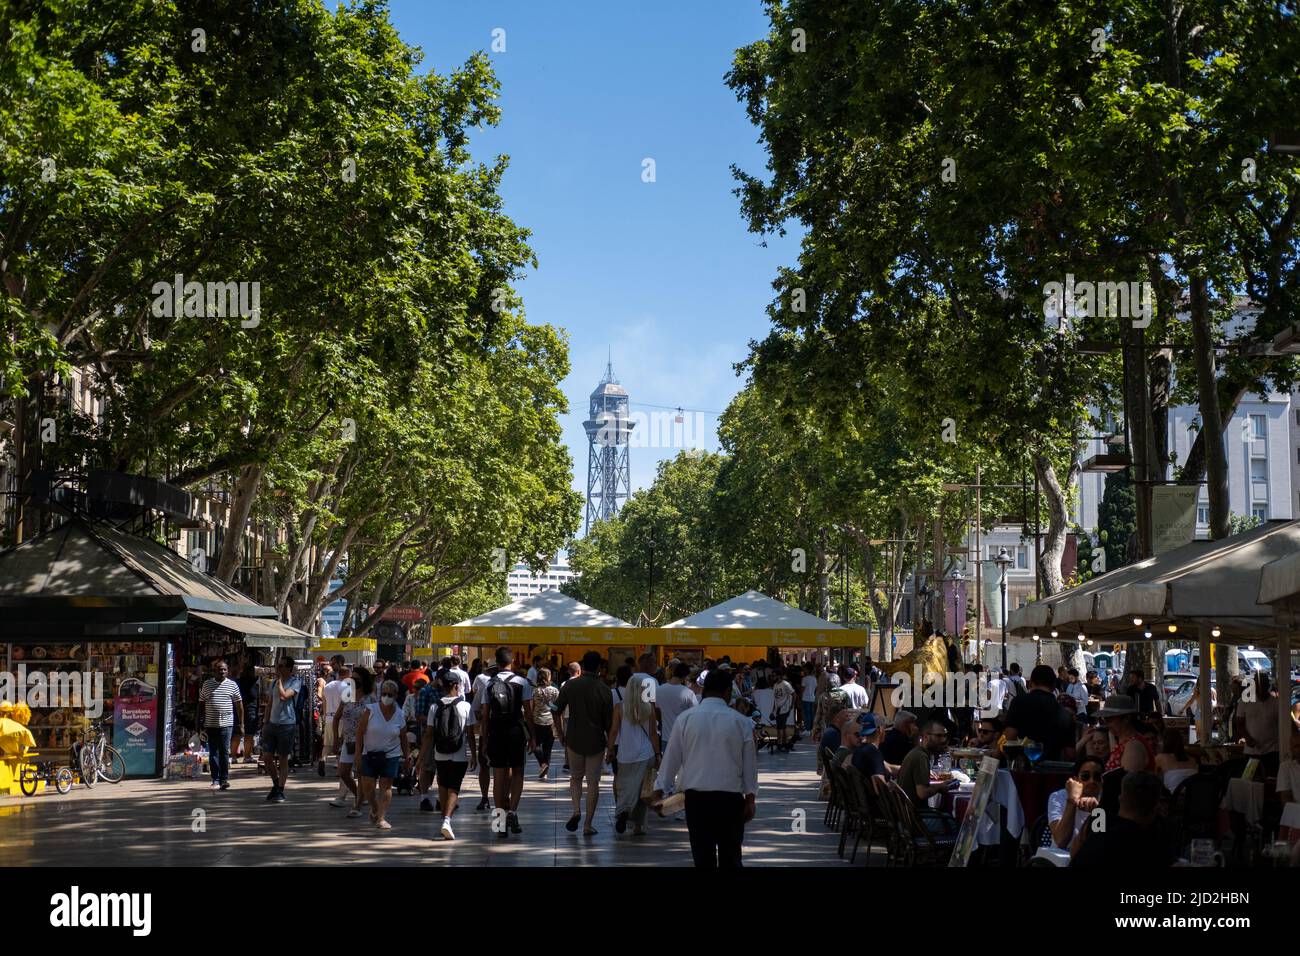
1203 514
1259 427
1260 512
1259 470
1022 558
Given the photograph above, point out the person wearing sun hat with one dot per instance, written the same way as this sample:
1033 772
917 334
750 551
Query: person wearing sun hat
1132 751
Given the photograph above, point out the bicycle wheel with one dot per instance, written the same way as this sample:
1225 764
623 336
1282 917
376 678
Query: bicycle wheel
89 766
112 768
27 780
63 782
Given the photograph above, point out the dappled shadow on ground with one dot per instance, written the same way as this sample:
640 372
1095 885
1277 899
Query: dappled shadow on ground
152 823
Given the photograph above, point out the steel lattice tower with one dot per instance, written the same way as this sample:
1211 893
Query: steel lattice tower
609 476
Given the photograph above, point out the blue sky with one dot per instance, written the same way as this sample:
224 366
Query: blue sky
664 274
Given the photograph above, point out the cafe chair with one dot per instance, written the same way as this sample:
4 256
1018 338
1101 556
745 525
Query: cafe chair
1195 806
868 819
919 844
1040 834
835 804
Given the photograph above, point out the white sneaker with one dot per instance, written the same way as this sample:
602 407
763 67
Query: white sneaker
447 832
340 803
214 786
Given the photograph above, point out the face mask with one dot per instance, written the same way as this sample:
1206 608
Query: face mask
389 700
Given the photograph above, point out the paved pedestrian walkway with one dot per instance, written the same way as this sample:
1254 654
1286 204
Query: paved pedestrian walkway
183 822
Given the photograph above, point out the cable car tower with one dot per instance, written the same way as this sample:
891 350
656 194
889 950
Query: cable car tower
609 475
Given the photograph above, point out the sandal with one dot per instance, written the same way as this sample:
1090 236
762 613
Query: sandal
589 831
384 825
354 813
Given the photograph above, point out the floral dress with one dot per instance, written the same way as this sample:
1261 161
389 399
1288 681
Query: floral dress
351 716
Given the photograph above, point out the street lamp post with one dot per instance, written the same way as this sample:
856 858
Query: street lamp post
956 579
1003 560
650 600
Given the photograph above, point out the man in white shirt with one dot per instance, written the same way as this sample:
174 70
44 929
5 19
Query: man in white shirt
997 689
1257 723
1077 689
858 699
713 748
337 693
462 683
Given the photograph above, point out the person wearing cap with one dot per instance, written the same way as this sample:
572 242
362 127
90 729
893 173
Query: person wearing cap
862 734
711 756
857 693
1131 751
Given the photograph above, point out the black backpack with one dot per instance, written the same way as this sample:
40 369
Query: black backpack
504 708
448 728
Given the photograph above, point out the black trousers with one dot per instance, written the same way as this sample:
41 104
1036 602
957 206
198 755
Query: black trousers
716 821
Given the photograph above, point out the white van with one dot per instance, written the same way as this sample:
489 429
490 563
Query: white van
1247 662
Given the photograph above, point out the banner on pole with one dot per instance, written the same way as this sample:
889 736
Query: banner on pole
1173 516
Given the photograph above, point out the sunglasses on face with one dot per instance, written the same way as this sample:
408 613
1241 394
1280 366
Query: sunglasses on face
1089 775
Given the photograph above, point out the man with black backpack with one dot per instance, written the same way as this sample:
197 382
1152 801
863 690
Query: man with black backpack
507 736
444 746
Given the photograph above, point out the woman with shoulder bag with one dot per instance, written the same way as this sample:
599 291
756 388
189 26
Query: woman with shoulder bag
543 717
637 737
381 738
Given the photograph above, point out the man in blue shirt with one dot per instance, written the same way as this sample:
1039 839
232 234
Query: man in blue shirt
280 732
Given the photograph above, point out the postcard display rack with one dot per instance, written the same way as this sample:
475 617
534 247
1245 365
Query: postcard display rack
53 727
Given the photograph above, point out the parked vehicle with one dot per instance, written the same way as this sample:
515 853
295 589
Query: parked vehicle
1173 680
1247 662
1176 703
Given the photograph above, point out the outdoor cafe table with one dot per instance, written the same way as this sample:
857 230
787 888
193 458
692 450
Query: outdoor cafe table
1023 793
1035 787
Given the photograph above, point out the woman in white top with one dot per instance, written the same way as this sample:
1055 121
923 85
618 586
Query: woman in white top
764 700
384 751
782 708
809 698
637 736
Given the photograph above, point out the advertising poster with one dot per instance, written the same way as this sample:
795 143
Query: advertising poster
135 726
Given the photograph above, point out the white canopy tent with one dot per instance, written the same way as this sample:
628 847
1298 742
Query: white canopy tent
754 618
547 617
1211 588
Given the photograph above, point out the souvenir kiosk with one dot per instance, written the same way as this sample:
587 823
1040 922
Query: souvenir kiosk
120 629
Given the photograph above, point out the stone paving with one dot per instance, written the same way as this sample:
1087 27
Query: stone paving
154 823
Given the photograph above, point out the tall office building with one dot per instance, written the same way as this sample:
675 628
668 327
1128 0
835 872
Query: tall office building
521 582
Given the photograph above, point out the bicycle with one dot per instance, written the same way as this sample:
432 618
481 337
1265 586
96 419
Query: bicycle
97 759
